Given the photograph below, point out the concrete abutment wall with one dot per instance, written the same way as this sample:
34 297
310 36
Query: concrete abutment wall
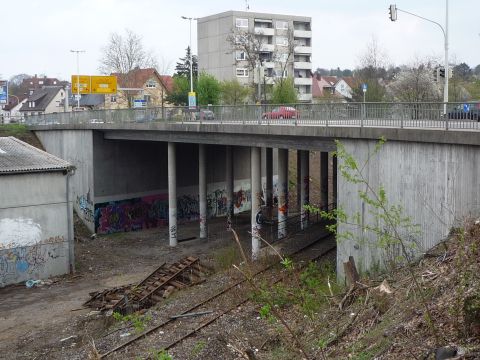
436 184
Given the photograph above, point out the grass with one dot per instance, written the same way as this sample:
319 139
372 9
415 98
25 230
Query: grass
16 130
226 257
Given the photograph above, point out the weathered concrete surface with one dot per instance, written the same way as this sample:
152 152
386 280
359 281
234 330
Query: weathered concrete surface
77 148
436 184
33 227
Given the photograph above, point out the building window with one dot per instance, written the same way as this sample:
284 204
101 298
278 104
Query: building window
281 40
147 99
113 98
40 82
242 72
240 55
241 23
281 25
151 84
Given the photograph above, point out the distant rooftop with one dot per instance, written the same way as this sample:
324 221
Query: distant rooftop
18 157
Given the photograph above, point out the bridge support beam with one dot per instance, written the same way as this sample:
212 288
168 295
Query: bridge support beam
282 189
172 194
229 184
305 189
256 185
323 180
299 179
334 180
269 181
202 189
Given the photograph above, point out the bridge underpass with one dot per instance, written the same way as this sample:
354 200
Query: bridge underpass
431 171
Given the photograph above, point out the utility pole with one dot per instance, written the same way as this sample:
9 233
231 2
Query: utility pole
78 74
191 51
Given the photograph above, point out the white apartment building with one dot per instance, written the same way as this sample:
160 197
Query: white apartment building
281 45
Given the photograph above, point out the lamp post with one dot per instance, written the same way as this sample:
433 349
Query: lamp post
191 57
78 74
393 17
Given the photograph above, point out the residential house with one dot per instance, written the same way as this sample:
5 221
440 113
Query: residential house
332 88
140 88
87 101
29 85
46 100
284 42
11 112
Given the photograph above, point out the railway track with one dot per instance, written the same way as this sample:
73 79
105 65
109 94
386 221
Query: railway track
224 301
156 287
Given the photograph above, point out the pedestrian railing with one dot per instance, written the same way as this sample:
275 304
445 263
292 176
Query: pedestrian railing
373 114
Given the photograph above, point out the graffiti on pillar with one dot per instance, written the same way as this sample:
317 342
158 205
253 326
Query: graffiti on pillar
242 199
173 232
85 207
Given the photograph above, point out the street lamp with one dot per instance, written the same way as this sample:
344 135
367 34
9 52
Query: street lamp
78 75
393 16
191 57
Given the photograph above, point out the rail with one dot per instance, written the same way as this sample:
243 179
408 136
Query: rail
372 114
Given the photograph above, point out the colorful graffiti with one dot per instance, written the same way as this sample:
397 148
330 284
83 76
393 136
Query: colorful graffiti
21 263
131 214
217 203
85 205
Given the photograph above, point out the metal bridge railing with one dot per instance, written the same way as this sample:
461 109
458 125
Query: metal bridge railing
373 114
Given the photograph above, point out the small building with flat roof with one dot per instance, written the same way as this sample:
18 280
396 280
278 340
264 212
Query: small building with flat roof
36 227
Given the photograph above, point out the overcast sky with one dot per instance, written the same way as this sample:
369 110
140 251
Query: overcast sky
37 35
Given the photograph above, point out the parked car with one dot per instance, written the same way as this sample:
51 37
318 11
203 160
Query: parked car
282 112
465 111
204 114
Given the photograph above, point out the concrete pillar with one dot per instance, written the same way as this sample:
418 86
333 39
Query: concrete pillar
202 189
172 194
282 189
323 179
269 181
305 179
299 181
229 185
256 185
334 179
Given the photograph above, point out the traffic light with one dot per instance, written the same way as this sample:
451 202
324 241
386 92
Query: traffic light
450 72
393 12
435 74
442 72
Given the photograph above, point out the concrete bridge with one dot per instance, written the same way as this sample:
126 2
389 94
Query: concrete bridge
142 168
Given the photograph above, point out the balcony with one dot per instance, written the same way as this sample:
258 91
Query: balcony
302 65
267 47
302 33
303 49
269 64
264 31
304 97
302 81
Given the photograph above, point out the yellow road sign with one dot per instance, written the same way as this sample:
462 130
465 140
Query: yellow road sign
83 81
104 84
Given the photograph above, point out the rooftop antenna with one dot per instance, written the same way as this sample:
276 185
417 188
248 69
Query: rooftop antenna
247 7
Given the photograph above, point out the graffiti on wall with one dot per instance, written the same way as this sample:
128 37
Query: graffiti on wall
22 263
85 206
131 214
152 211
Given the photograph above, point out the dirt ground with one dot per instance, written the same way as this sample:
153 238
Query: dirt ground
48 322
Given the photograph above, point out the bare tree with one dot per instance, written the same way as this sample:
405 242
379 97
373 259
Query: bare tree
123 54
252 45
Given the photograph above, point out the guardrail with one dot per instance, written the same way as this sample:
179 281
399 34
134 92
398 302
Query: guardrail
378 114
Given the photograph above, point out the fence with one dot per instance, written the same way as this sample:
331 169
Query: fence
397 115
